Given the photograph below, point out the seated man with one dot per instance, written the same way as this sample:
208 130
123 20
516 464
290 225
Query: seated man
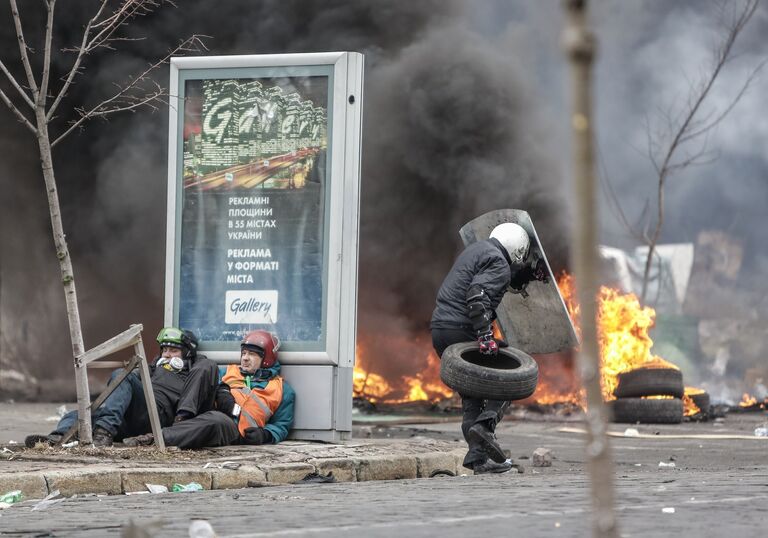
183 382
254 405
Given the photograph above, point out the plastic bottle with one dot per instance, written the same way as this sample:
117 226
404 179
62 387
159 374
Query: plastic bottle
11 497
192 486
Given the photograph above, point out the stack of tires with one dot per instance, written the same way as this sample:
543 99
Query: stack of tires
649 396
511 375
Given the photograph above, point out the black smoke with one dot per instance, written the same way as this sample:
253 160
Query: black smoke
452 129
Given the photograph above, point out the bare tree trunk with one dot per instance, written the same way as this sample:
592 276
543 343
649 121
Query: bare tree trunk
67 276
580 47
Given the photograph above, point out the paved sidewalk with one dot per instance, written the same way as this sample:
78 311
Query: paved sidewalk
117 470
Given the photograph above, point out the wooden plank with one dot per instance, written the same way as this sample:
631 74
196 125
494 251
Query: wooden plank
123 340
107 364
535 321
149 395
103 396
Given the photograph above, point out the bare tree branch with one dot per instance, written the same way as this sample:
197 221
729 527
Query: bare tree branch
16 85
42 94
689 129
23 49
124 100
16 112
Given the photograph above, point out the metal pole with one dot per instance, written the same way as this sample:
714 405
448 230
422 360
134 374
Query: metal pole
579 44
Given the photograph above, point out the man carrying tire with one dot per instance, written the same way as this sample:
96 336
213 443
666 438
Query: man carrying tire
466 304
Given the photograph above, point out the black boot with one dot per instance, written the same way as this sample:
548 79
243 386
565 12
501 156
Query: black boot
481 434
490 467
50 439
101 437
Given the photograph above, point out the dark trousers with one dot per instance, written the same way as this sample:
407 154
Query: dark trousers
124 413
212 428
475 410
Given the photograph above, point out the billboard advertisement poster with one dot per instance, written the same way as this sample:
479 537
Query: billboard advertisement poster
253 188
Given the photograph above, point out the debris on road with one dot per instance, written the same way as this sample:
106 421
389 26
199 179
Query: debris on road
317 478
192 486
10 498
668 510
156 488
762 431
631 432
542 457
671 464
54 497
201 528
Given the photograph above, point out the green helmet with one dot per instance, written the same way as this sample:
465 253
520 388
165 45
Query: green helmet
179 338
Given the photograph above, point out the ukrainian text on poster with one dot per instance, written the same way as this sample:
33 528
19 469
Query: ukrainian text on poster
253 207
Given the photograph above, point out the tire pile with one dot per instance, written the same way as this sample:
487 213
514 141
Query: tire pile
652 396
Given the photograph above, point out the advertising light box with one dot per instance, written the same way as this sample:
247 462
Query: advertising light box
263 200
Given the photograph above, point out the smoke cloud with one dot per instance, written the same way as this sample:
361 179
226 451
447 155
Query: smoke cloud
463 108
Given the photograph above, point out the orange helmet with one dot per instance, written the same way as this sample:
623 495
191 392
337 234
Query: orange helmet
265 344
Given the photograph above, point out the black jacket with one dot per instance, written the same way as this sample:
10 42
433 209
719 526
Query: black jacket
484 263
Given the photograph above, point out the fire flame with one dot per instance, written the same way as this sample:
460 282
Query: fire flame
623 326
689 406
424 386
747 400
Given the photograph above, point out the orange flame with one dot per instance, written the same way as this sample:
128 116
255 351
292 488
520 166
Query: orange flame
747 400
424 386
623 326
689 406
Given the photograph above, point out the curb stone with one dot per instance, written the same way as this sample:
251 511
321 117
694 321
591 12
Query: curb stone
386 468
115 481
136 479
343 469
287 473
236 478
78 482
32 485
426 464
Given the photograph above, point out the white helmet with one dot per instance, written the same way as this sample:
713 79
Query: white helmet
514 239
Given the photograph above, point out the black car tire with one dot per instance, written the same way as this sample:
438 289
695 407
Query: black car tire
650 382
647 411
702 402
510 375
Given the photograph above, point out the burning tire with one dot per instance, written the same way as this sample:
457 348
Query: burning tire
650 382
701 400
648 411
511 375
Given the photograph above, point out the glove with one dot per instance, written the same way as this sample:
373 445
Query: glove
225 402
488 345
256 436
540 272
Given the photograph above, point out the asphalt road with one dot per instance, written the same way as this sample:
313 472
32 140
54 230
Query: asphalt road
717 488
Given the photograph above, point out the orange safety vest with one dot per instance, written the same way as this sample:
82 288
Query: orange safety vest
257 405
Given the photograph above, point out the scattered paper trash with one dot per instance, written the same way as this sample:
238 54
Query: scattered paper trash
12 442
762 431
668 510
631 432
666 464
137 492
192 486
6 451
53 498
200 528
638 464
156 488
70 444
